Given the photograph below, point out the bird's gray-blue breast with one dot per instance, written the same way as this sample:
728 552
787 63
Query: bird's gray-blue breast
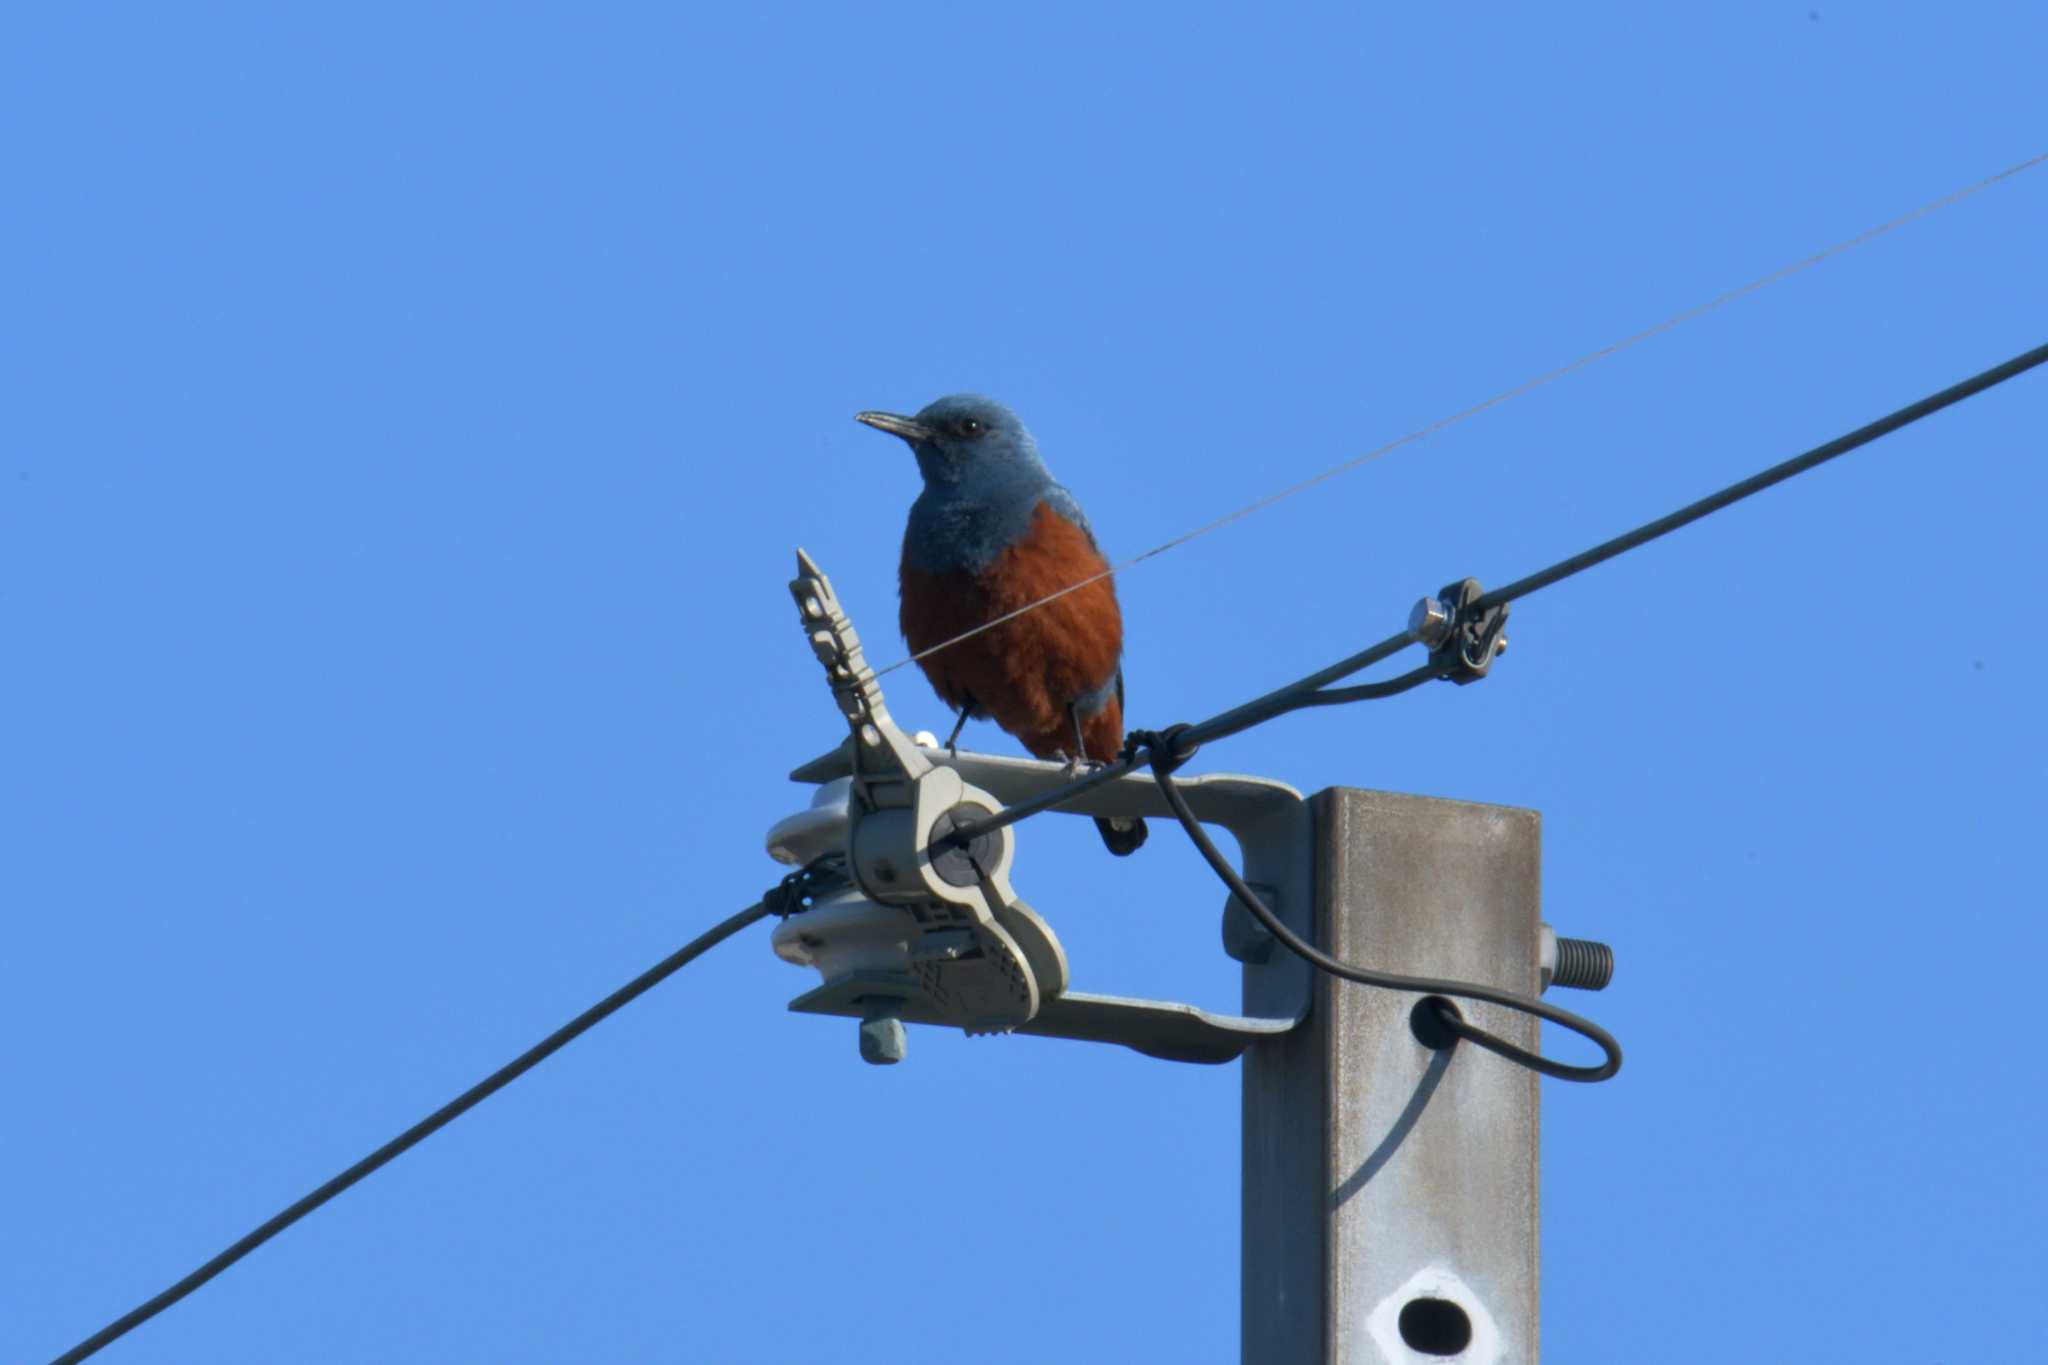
962 530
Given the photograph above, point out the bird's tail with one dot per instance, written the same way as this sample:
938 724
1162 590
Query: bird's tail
1122 837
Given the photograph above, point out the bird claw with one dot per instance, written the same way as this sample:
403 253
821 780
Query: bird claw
959 724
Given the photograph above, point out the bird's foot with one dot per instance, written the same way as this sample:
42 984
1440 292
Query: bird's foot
959 724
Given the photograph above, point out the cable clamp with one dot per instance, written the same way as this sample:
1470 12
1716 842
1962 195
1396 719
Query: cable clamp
1166 750
1462 643
803 888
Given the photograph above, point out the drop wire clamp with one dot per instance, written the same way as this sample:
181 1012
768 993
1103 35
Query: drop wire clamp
944 931
1462 643
919 931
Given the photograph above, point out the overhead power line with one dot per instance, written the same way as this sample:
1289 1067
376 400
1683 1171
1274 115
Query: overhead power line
1614 348
425 1128
1161 751
1310 691
1757 483
1166 751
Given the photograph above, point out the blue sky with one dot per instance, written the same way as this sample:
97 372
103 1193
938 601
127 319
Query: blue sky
406 420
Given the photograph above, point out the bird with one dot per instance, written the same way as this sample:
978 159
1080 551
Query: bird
992 532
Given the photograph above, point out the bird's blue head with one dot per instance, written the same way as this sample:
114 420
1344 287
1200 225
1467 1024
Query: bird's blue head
968 448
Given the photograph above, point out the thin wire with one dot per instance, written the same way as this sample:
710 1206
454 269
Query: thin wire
1308 691
425 1128
1676 319
1425 985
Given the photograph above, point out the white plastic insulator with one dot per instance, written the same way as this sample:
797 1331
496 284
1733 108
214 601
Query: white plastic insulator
797 839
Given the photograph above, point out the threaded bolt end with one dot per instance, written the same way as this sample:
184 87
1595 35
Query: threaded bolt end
1583 964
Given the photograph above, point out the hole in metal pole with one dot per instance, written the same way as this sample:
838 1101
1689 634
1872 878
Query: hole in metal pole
1435 1327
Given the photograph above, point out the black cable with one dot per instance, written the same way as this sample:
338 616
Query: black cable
1376 691
1756 483
1289 698
1240 718
967 833
1306 692
1365 976
1281 700
425 1128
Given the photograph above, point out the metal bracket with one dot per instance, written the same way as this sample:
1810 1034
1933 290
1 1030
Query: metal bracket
917 940
1273 827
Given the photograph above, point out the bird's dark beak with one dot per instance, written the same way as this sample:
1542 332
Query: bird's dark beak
909 429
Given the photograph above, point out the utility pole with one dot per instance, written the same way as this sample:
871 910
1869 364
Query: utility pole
1390 1189
1390 1182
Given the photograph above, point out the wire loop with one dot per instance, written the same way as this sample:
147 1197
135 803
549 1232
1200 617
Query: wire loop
1366 976
1166 749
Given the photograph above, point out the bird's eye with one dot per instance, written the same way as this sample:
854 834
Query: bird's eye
970 427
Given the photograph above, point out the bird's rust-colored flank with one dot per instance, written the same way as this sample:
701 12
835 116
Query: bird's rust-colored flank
1024 672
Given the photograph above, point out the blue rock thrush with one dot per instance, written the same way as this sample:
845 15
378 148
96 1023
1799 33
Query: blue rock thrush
991 533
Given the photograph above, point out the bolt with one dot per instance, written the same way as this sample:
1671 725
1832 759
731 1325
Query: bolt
882 1040
1579 963
1429 621
1583 964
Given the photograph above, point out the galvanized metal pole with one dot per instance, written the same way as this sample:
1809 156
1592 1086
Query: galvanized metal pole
1390 1190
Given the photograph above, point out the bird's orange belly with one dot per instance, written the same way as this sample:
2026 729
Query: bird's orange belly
1026 672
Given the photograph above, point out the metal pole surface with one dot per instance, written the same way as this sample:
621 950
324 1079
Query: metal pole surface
1390 1191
